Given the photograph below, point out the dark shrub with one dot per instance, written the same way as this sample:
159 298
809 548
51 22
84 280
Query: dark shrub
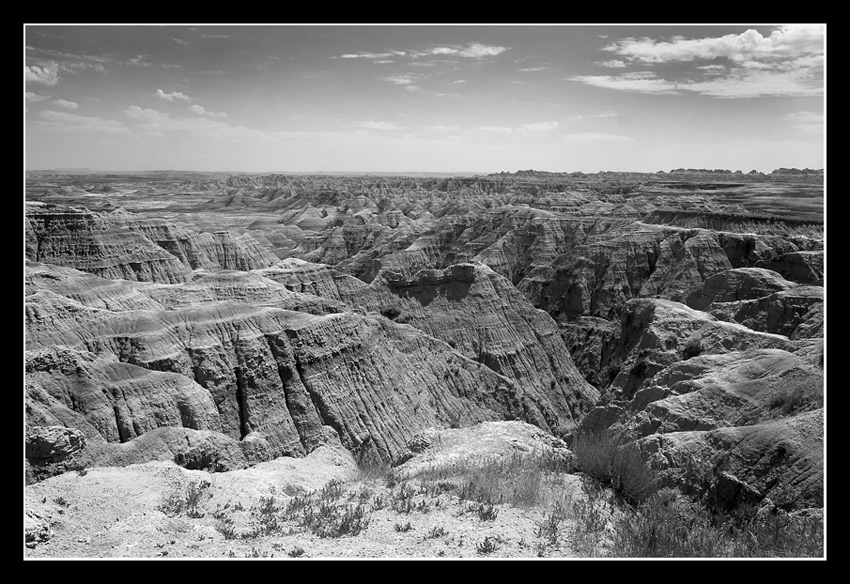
692 348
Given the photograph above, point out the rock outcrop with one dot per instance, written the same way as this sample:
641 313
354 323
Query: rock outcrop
121 245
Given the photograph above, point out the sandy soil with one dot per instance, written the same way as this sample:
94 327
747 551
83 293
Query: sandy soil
115 512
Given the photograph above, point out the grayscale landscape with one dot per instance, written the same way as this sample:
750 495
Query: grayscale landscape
423 292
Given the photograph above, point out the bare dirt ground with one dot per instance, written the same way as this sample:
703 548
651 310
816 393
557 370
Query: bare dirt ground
133 512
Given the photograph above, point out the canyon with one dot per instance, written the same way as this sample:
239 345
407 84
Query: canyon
229 322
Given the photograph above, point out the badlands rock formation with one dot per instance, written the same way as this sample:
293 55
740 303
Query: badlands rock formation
223 321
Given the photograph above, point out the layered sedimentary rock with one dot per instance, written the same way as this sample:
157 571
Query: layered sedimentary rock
486 319
762 300
713 409
121 245
269 377
80 239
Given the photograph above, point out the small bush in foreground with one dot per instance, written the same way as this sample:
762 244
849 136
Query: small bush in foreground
187 502
620 467
669 526
487 546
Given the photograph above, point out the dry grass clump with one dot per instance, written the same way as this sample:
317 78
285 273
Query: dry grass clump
621 467
529 480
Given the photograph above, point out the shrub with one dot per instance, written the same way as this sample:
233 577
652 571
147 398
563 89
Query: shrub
188 501
296 552
693 347
436 532
487 546
638 369
391 313
620 467
671 526
224 524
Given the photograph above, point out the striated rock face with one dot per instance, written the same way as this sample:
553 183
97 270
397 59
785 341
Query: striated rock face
486 319
751 419
52 444
120 245
762 300
737 284
80 239
268 377
110 400
637 260
655 333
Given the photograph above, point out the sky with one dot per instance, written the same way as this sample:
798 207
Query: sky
424 98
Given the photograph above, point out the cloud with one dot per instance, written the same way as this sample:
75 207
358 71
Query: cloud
807 122
66 104
469 50
593 116
758 83
181 42
640 81
47 74
34 97
532 69
539 127
406 79
173 95
138 113
139 61
65 122
786 41
497 129
216 36
612 64
372 55
377 125
587 137
205 112
440 128
788 62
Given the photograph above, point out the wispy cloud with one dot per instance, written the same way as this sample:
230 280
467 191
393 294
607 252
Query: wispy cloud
639 81
532 69
139 61
64 122
497 129
216 36
34 97
377 125
539 127
469 51
198 109
807 122
612 64
367 55
70 62
181 42
587 137
66 104
439 128
47 74
405 79
173 95
138 113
